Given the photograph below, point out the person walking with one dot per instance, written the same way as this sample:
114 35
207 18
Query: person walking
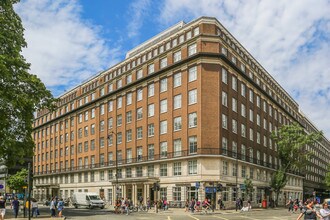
2 208
15 206
52 207
60 207
325 211
35 210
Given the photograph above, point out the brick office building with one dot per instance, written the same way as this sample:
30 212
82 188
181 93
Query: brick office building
188 109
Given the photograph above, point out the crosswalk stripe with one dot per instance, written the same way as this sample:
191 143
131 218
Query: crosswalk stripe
220 217
248 217
193 217
169 218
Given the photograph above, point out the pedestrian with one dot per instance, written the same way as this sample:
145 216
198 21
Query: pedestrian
249 204
35 209
15 206
148 204
290 204
192 205
52 207
186 205
325 211
2 208
60 207
309 212
123 206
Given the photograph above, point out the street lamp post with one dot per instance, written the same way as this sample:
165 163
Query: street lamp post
116 146
236 182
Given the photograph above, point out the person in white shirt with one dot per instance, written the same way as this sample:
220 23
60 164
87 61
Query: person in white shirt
325 212
34 204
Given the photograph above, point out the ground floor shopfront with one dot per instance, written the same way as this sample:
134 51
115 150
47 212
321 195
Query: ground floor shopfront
178 181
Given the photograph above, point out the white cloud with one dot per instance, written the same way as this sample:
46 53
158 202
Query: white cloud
62 48
291 39
137 12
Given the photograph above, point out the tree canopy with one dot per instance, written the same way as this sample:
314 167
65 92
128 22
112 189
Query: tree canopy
291 141
21 93
18 180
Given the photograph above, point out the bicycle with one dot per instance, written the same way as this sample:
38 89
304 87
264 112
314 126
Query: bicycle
205 209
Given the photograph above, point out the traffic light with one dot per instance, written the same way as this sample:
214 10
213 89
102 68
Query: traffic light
219 187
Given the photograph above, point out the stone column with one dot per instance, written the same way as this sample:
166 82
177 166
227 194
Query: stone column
124 191
134 194
144 193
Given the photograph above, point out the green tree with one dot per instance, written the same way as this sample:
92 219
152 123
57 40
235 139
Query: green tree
291 141
327 177
18 180
21 93
248 188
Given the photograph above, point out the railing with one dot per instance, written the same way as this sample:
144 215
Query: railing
171 155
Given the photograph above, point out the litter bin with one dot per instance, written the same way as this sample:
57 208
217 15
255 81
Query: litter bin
264 204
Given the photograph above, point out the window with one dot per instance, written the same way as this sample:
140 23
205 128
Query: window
139 74
102 109
192 144
119 120
139 94
234 126
234 104
119 102
151 110
163 85
86 116
177 56
129 98
251 95
151 68
119 83
151 90
163 127
139 113
243 152
139 133
243 110
129 135
234 83
129 117
224 146
101 126
163 106
251 115
163 62
177 124
151 151
243 90
192 96
129 155
224 121
192 74
224 76
163 149
128 78
224 51
192 49
251 134
234 149
243 130
110 87
192 167
196 31
139 154
234 169
177 80
177 147
193 120
176 194
224 99
163 169
177 169
251 155
151 130
177 101
119 138
110 107
139 171
224 168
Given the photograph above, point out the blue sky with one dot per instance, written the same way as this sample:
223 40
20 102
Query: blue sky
72 40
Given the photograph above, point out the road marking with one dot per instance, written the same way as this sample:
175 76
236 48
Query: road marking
220 217
169 218
193 217
248 217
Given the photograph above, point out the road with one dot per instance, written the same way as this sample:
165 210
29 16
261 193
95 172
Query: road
172 214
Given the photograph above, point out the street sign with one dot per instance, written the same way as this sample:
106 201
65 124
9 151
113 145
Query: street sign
197 185
1 186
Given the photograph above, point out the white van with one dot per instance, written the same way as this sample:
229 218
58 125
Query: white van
89 200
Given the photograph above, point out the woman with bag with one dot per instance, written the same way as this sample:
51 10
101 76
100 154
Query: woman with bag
34 207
